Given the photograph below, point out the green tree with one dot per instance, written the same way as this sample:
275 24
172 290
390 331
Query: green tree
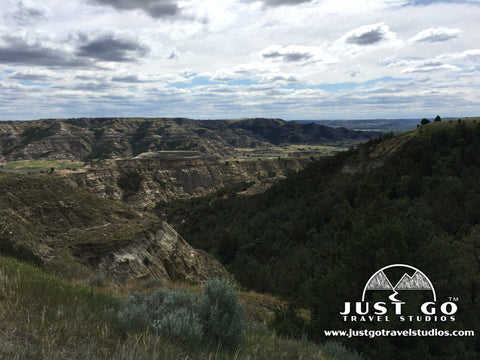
130 181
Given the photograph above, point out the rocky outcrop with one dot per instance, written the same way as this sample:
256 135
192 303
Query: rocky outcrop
170 175
165 255
78 234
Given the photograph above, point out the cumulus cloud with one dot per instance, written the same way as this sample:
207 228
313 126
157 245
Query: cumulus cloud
289 53
437 35
367 35
33 75
423 65
468 54
110 48
279 77
20 51
155 8
129 79
27 12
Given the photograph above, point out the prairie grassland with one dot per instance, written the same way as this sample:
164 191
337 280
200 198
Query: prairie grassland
45 317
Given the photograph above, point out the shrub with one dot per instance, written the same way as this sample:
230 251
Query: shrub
165 301
221 313
175 313
217 318
130 182
133 314
181 324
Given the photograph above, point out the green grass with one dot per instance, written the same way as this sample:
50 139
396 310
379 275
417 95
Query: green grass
39 166
285 150
45 317
448 124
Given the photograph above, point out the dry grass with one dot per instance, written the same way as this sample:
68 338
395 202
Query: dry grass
45 317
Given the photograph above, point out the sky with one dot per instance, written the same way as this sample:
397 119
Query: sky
224 59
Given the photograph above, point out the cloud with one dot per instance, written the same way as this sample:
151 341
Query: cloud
280 78
28 12
357 70
110 48
105 57
155 8
437 35
280 2
367 35
423 65
90 86
425 68
430 2
290 53
33 75
17 50
129 79
468 54
37 51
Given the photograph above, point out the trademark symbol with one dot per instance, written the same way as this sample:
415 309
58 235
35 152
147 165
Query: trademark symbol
453 298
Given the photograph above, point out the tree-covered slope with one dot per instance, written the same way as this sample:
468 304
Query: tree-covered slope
318 236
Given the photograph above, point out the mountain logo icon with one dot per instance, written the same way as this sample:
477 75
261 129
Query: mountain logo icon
417 281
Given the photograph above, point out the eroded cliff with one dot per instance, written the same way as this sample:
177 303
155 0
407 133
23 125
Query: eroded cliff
78 234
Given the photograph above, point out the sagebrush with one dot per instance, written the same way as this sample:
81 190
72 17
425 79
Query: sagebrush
216 318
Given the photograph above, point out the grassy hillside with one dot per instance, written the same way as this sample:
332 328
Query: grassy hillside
45 317
318 236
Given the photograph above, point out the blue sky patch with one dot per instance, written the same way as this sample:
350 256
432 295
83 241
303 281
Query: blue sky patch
337 87
33 83
202 81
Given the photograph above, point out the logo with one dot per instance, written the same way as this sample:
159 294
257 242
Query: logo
412 298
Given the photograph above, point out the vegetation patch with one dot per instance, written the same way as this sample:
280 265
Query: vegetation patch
40 166
19 251
218 318
130 181
29 135
45 317
139 145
